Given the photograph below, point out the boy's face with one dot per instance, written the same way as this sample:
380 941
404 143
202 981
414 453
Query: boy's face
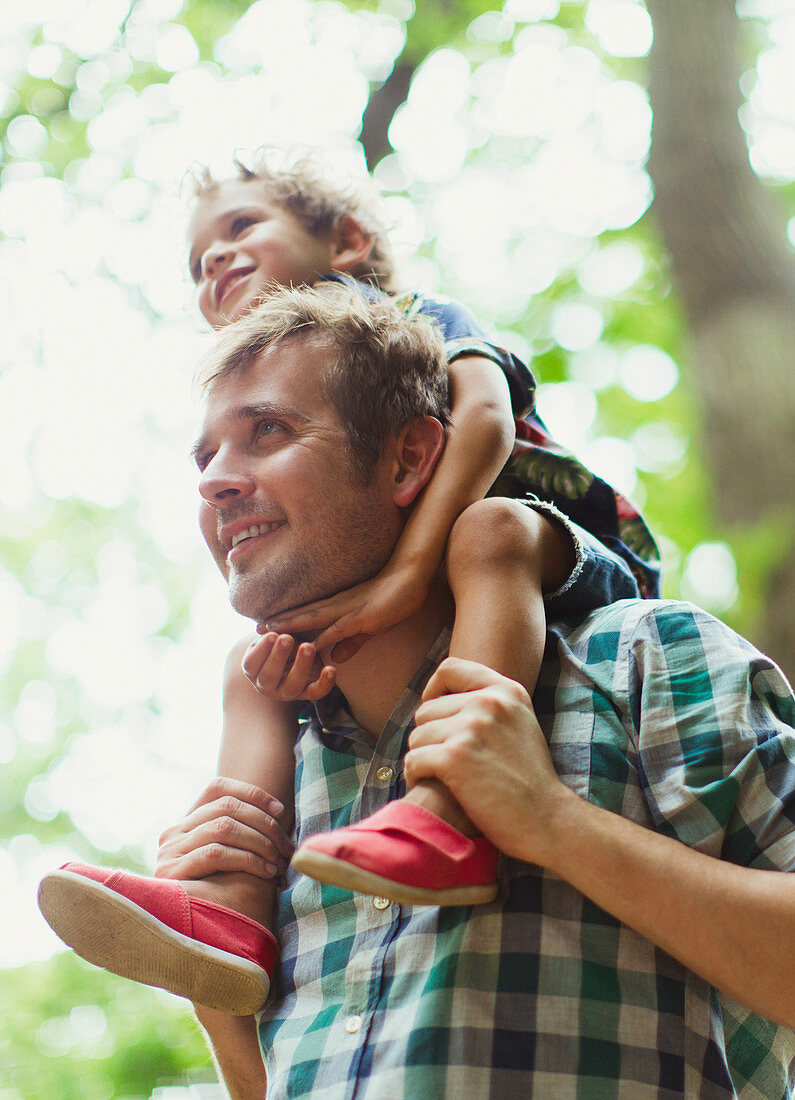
241 244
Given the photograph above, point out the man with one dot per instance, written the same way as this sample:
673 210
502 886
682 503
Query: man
642 942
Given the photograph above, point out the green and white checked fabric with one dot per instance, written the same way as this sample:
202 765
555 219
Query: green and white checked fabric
652 709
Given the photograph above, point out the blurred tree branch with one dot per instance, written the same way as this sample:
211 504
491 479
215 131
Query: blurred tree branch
433 24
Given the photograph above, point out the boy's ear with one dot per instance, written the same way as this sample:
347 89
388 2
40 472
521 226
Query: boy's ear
352 245
419 446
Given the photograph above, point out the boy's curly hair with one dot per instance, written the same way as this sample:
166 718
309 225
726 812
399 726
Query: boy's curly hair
299 186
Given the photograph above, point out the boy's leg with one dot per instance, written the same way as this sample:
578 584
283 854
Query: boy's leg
502 557
200 932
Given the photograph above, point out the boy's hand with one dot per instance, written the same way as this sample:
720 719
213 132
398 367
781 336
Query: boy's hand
279 670
350 617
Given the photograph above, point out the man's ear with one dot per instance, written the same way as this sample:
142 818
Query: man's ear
419 445
352 245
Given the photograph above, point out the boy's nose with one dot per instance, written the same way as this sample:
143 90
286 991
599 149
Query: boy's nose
216 259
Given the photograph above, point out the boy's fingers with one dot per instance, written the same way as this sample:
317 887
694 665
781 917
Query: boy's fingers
322 685
270 675
297 678
256 655
311 617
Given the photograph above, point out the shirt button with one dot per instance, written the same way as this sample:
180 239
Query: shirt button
381 903
352 1024
383 775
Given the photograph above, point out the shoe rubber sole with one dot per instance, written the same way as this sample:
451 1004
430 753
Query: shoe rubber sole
337 872
109 930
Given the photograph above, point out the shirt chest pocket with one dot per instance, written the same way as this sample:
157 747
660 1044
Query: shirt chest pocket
592 756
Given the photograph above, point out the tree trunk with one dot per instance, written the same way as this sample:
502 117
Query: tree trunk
736 276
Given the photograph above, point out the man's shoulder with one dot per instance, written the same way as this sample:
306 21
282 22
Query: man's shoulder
671 640
655 632
659 615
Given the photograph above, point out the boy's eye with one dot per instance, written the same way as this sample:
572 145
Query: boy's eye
241 223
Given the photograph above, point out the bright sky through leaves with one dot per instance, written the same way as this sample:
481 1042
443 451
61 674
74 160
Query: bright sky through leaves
100 336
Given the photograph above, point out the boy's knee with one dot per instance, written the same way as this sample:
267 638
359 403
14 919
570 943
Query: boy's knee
495 531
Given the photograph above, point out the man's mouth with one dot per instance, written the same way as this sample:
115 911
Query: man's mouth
253 531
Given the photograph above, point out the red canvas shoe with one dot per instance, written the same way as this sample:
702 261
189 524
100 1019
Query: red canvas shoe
151 930
407 854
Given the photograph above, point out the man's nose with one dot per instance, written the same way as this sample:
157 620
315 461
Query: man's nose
223 480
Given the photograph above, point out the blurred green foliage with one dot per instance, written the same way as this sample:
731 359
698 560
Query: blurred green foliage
69 1031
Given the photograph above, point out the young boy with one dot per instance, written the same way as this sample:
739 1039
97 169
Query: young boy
207 938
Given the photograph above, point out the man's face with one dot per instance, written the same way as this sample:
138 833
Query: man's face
241 244
293 520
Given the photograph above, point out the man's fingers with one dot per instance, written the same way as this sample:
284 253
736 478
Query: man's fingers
425 762
214 858
455 674
221 817
222 786
445 706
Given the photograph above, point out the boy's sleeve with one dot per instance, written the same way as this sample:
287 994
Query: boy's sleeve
714 721
539 466
599 576
463 335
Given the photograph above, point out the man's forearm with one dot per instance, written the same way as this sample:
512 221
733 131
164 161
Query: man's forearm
235 1049
733 926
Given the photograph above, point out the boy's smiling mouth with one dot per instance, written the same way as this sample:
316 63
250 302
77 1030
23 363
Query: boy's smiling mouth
229 282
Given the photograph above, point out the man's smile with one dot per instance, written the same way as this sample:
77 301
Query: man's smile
252 532
237 536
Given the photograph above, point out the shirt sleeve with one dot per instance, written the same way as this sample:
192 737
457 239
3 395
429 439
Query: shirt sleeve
714 721
463 335
599 576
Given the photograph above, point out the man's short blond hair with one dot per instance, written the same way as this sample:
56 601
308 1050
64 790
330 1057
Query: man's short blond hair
298 184
389 369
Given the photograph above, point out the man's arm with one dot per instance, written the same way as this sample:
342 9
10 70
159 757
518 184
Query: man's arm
734 926
229 830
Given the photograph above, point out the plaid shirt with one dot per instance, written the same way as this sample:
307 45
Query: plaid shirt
652 709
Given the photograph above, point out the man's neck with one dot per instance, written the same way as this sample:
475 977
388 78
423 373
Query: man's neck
376 677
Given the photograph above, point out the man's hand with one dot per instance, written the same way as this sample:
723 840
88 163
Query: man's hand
350 617
232 826
477 733
280 670
731 925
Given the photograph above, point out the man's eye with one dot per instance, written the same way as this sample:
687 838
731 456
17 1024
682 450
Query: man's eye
266 427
